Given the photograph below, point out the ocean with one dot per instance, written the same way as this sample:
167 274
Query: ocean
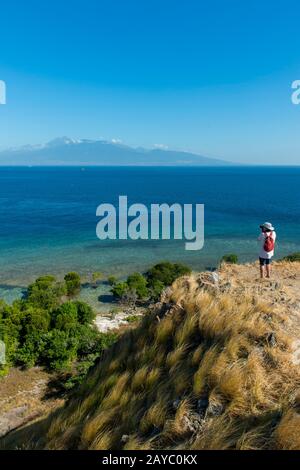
48 217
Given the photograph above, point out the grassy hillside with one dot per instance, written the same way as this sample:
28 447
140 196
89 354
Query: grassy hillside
211 366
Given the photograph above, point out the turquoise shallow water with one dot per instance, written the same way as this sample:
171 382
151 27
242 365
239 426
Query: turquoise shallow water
48 221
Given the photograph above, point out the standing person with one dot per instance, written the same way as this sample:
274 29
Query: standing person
267 243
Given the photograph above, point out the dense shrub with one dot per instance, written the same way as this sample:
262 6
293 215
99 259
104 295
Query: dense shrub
137 282
120 289
150 285
156 289
46 292
92 343
85 312
33 346
111 280
132 318
34 319
43 330
65 317
166 273
89 340
230 258
96 278
293 257
10 328
60 349
73 283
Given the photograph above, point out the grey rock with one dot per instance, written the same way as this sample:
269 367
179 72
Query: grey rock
272 340
214 409
191 423
202 405
215 277
176 403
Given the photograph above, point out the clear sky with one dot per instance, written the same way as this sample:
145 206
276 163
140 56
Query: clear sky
213 77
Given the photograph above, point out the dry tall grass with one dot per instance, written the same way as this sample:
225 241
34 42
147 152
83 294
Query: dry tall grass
204 370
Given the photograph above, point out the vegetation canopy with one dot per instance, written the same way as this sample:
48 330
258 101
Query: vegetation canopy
150 285
47 329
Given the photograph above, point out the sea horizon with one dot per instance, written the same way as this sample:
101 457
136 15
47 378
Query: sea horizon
148 165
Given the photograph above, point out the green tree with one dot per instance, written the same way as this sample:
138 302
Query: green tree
292 257
88 340
29 353
40 329
96 277
65 317
111 280
34 319
85 313
120 289
60 349
10 329
73 283
230 258
156 289
136 282
166 273
46 292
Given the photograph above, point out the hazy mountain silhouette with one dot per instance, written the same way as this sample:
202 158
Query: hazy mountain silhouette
66 151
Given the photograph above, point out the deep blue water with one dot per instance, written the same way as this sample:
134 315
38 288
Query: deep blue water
48 221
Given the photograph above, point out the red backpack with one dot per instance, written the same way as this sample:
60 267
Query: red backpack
269 243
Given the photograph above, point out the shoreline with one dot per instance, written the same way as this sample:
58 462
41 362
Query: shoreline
121 263
12 288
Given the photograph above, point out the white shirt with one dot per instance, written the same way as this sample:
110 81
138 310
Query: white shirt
262 253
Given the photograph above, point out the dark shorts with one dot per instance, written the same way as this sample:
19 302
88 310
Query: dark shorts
263 261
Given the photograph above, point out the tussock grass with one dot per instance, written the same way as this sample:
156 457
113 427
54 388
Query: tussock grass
98 424
204 370
287 434
153 378
174 357
139 379
164 330
201 376
135 443
155 417
175 428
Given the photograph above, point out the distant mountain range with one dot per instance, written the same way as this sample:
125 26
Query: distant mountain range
66 151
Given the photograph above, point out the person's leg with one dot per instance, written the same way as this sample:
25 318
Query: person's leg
261 267
262 272
268 267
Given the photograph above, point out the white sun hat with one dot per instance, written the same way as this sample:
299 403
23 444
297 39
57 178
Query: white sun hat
268 226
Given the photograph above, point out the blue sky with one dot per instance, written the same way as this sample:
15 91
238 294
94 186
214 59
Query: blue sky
210 77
